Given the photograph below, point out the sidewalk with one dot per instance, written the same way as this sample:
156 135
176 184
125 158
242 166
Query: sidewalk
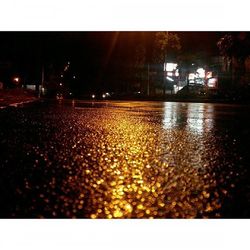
15 97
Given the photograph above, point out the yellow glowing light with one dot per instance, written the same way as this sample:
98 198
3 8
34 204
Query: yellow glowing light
118 213
128 208
113 183
93 216
140 206
161 204
158 184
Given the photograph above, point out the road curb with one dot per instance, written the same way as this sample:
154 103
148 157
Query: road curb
19 104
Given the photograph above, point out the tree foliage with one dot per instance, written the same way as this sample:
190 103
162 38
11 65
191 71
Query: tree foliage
235 48
225 45
165 44
139 62
140 56
236 45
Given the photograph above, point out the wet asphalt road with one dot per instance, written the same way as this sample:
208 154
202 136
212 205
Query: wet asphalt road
125 160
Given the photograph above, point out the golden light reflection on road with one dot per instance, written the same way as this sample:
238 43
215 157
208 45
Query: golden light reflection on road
134 167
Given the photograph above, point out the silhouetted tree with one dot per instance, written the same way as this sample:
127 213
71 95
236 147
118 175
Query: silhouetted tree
235 48
166 46
139 66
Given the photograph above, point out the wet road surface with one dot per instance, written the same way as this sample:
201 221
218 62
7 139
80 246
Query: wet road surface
125 160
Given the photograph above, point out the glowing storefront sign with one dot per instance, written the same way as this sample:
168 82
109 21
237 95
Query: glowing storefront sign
209 74
170 66
191 76
212 83
201 72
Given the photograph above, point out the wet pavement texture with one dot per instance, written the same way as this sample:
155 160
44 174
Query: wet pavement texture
125 160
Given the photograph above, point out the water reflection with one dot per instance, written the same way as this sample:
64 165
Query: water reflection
195 117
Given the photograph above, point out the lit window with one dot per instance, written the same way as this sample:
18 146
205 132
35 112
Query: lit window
191 76
170 66
209 74
201 72
212 82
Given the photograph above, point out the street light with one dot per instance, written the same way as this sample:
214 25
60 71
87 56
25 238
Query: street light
16 79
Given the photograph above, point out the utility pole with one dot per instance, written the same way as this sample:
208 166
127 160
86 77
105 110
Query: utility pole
42 81
165 66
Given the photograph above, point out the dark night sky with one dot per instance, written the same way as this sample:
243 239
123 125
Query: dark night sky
93 55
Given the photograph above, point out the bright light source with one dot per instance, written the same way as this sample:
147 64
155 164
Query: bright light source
68 63
70 93
103 96
209 74
170 73
93 96
169 78
62 76
191 76
212 82
16 79
171 66
201 72
176 88
107 94
60 84
66 67
74 77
